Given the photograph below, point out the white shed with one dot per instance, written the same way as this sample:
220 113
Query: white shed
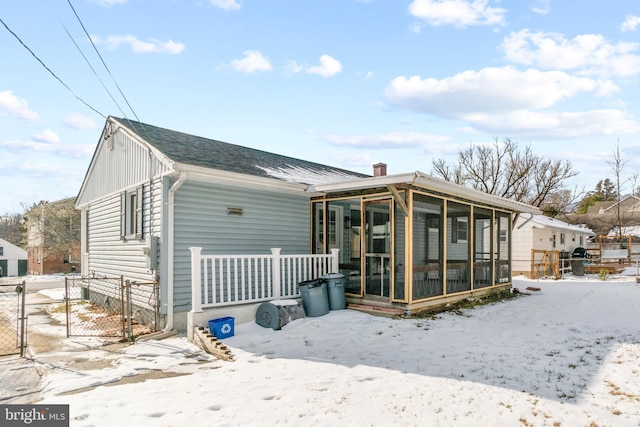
13 260
545 234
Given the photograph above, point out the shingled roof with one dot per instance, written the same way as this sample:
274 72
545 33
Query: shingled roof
209 153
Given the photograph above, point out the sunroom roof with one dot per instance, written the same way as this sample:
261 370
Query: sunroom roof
427 182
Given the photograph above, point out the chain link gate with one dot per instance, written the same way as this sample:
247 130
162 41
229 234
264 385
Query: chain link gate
109 307
13 320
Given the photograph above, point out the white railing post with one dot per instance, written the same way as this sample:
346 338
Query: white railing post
196 281
277 279
335 260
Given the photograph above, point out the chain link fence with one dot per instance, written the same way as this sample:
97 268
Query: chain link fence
110 307
13 330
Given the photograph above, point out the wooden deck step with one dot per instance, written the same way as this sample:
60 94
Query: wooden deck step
377 311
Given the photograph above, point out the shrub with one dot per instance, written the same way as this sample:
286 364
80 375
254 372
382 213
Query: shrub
603 274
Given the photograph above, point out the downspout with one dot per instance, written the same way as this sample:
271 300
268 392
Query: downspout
170 217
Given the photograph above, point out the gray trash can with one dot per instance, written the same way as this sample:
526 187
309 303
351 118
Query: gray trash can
314 297
577 267
275 315
335 289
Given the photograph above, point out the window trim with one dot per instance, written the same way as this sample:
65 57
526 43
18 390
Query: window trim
131 214
459 234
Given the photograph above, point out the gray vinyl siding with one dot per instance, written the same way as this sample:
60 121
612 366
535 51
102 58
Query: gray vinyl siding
269 220
109 255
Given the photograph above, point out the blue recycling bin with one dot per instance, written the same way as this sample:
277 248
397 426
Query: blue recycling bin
221 327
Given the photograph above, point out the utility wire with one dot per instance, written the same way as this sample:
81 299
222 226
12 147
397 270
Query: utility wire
49 70
103 63
93 69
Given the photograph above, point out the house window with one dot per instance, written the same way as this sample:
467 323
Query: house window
459 230
1 251
562 239
553 241
131 214
581 240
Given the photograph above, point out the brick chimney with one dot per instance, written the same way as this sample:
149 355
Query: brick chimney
380 169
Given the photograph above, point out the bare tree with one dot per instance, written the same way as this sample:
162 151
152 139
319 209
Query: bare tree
507 170
12 229
617 166
57 225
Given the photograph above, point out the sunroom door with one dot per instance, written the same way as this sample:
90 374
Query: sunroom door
334 229
377 255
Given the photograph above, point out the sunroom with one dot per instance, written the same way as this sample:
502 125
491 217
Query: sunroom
411 241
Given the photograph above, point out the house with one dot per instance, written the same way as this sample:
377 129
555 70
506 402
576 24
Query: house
543 234
53 237
13 260
206 219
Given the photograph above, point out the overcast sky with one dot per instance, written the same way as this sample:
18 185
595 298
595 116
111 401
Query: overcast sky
346 83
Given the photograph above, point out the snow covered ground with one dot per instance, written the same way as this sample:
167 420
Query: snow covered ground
568 355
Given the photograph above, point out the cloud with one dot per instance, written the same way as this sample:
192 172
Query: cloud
490 90
390 140
366 76
545 125
46 136
253 61
226 4
293 67
351 161
80 121
11 105
65 150
459 13
630 23
589 54
328 67
138 46
541 7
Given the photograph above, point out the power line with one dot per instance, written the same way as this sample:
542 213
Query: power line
103 63
93 69
49 70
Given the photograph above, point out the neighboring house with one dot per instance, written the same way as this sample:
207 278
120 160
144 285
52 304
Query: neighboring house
629 207
603 217
542 233
13 260
53 237
153 200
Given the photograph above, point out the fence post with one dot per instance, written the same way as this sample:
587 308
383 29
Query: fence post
23 318
128 309
196 279
335 260
277 279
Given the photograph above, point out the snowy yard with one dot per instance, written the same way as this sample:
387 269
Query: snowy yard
568 355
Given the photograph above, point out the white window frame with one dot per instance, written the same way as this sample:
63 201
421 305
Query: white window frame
131 214
459 234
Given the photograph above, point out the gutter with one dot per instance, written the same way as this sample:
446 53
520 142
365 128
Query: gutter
170 217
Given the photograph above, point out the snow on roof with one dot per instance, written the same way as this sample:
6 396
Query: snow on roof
298 174
546 221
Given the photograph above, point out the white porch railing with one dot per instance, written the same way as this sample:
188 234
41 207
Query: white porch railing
219 280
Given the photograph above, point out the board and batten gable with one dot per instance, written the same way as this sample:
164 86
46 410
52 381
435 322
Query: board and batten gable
268 219
119 163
